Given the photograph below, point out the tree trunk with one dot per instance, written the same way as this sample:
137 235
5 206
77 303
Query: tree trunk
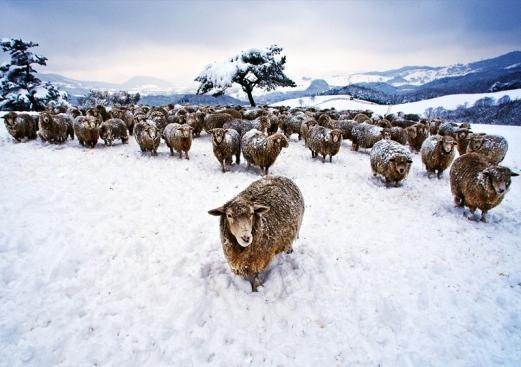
250 97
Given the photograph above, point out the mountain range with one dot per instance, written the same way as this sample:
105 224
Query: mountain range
406 84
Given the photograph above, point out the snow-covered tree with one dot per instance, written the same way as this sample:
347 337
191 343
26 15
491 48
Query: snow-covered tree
104 98
20 89
262 68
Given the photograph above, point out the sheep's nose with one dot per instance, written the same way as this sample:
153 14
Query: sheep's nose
246 238
501 191
401 170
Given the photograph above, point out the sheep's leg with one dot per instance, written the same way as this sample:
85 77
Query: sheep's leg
484 216
330 158
255 282
440 173
472 215
186 155
154 152
171 151
459 202
238 158
181 154
223 167
354 147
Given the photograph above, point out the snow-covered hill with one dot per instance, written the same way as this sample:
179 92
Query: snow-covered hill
108 257
344 102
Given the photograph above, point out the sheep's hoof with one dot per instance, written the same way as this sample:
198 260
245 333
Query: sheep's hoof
290 250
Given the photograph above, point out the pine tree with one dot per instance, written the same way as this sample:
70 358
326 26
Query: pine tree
20 89
250 69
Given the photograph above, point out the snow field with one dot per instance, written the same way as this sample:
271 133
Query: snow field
108 257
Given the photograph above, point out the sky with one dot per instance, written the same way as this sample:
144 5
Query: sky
113 41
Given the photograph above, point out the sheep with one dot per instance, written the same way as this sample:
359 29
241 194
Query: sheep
87 130
52 129
390 159
386 124
361 117
326 121
226 143
304 130
147 136
21 126
400 122
69 120
347 128
416 136
160 120
126 116
243 126
365 135
233 112
178 137
261 150
95 112
492 147
448 128
113 129
324 141
259 223
437 153
293 125
478 184
434 126
196 120
397 134
462 138
215 120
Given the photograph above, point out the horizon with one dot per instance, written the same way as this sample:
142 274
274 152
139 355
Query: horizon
174 41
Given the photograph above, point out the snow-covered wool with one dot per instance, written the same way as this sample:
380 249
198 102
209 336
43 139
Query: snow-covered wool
215 120
260 150
147 136
397 134
381 122
323 141
492 147
346 125
87 130
261 123
21 126
365 135
390 159
417 135
126 116
259 223
437 153
304 129
52 128
361 117
232 111
69 120
97 114
196 120
326 121
293 124
462 138
478 184
160 117
448 128
226 143
179 138
113 129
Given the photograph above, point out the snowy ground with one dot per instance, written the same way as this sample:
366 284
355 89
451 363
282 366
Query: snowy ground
109 258
343 102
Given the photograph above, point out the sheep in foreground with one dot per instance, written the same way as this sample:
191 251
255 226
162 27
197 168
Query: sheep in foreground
259 223
417 135
113 129
324 141
21 126
390 159
261 150
437 153
304 130
492 147
87 130
52 129
365 135
147 136
179 138
226 143
216 120
478 184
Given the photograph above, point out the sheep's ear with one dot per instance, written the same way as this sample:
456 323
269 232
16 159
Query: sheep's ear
217 211
260 209
486 172
513 174
211 131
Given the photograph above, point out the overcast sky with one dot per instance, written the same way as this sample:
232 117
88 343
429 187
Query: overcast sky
115 40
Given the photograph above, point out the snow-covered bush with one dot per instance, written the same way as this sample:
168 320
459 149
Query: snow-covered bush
104 98
263 68
20 89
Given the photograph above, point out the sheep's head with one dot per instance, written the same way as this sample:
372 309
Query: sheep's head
240 216
46 120
462 134
386 133
10 119
311 123
498 178
475 143
186 130
400 163
264 123
412 132
150 130
91 122
421 129
217 135
279 140
323 119
448 143
117 113
336 135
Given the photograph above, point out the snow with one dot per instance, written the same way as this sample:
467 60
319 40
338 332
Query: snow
108 257
343 102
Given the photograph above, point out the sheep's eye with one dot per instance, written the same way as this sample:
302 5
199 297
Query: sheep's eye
229 216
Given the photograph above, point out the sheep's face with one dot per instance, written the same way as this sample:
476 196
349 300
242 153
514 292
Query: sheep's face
264 123
475 143
150 131
412 132
118 114
323 119
400 164
217 135
186 131
91 123
386 134
280 140
448 144
462 134
498 178
9 120
422 129
336 135
46 120
239 216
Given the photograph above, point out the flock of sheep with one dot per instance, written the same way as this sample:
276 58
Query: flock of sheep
265 218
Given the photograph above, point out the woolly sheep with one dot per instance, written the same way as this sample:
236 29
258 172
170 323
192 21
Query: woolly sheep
462 138
478 184
215 120
147 136
324 141
261 150
390 159
437 153
52 129
21 126
259 223
87 130
226 143
417 135
179 138
492 147
113 129
365 135
397 134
